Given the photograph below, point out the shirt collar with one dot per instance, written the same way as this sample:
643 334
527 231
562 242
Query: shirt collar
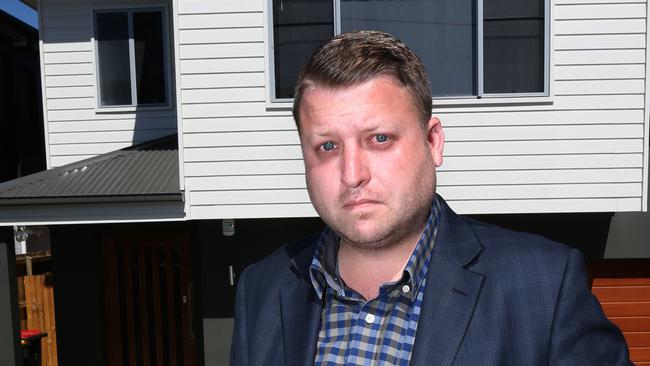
324 273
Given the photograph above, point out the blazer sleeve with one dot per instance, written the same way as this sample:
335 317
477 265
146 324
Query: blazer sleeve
239 346
581 334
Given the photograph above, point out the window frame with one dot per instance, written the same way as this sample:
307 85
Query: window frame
162 9
482 98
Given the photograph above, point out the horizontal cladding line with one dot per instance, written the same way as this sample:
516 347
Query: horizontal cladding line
226 102
591 19
238 161
543 198
222 28
128 117
68 86
587 95
71 51
246 175
232 87
248 189
210 43
223 73
537 184
452 141
447 156
216 133
88 74
288 110
106 130
67 63
601 64
224 12
599 79
597 34
633 63
598 49
448 200
522 124
236 146
599 3
569 154
251 204
223 58
438 185
114 141
439 170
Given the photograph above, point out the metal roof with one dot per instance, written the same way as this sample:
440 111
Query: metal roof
144 172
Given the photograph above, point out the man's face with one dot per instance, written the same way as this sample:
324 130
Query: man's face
370 164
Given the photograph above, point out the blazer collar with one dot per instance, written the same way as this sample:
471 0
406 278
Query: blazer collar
451 292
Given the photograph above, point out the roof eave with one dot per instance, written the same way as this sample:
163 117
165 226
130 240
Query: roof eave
163 197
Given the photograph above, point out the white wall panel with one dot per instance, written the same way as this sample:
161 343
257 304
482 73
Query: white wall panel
222 35
224 65
599 41
594 87
600 11
599 72
581 150
76 128
585 57
600 26
220 20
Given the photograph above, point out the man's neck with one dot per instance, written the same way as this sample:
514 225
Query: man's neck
366 270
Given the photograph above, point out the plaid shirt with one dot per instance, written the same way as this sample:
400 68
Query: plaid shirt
377 332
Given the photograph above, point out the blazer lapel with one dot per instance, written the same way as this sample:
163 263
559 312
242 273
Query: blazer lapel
451 293
301 312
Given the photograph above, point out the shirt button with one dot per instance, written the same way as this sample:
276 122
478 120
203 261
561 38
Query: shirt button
370 318
406 288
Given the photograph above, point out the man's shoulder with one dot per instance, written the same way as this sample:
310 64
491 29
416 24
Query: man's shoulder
512 252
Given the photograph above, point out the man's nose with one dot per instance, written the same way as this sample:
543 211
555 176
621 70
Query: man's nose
354 170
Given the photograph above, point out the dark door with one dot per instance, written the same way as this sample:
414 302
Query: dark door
148 299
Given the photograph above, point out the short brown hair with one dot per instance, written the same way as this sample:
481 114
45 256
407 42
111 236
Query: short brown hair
356 57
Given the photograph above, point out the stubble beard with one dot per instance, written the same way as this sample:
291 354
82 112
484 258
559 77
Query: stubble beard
396 227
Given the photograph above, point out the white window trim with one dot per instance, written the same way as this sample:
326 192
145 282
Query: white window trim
162 8
545 97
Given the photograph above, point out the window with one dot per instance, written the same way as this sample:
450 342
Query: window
471 48
131 58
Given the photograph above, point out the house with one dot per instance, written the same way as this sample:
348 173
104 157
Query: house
165 120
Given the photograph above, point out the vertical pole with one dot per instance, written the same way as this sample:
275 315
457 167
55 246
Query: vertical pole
10 352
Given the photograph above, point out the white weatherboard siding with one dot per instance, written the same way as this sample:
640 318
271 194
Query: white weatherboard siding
580 150
76 129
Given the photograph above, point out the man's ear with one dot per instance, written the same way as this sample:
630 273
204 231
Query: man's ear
436 140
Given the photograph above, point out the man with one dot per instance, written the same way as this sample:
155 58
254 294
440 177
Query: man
397 278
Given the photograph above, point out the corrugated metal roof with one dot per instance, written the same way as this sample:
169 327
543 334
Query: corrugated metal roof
148 171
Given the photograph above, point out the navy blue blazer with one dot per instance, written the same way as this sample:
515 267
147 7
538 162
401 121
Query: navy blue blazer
493 297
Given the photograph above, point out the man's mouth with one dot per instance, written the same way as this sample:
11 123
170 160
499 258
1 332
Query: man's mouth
358 203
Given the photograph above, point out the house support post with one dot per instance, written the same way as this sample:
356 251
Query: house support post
10 352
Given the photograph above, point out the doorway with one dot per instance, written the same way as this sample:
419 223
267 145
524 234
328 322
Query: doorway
148 299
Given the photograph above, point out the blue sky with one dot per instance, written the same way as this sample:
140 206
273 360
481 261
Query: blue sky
20 11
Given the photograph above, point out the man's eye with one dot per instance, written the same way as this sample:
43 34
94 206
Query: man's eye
328 146
381 138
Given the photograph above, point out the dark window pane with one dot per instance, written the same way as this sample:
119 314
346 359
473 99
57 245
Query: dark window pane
299 27
113 58
149 57
441 32
513 48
